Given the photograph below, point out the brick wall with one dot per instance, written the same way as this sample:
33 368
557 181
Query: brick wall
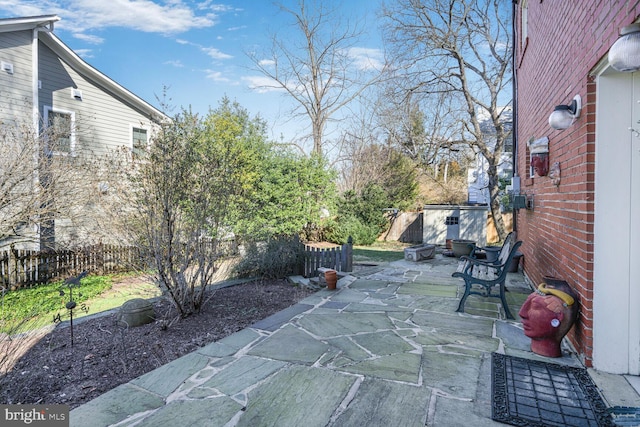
566 40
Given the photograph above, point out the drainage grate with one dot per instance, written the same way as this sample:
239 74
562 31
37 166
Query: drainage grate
533 393
625 416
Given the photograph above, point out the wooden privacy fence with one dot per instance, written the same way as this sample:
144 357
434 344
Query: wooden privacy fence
26 267
405 227
339 258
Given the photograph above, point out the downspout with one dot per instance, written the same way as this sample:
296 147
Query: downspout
35 123
35 99
514 116
35 114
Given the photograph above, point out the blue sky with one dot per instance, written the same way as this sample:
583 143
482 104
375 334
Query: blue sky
196 48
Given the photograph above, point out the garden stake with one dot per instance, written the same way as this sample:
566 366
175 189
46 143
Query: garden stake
70 283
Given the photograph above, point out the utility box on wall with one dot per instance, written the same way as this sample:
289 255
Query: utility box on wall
442 222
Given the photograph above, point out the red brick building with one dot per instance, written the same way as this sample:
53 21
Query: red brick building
584 226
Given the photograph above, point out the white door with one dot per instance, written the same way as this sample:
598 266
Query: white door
634 231
616 297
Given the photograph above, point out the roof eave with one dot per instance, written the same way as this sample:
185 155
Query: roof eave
98 78
28 23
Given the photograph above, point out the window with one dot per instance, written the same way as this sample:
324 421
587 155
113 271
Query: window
139 143
60 130
452 220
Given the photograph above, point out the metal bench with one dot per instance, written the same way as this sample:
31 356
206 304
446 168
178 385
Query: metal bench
487 274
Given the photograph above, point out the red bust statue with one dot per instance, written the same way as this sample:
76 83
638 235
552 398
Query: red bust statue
547 315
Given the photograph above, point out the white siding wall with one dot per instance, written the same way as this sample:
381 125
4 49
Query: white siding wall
102 121
15 89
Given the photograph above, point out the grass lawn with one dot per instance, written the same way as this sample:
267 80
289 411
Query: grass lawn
32 308
379 252
124 289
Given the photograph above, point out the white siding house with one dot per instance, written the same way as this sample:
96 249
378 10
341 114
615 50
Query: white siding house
44 83
477 177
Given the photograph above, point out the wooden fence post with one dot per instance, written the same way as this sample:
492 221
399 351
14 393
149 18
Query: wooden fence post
347 255
5 277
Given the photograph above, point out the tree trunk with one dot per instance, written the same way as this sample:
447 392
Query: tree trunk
494 202
317 140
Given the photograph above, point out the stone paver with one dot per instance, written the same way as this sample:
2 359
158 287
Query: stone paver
167 378
403 367
197 412
121 403
451 374
241 375
385 349
274 322
290 344
297 396
384 403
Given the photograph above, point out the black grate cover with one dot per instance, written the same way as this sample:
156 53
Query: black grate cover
534 393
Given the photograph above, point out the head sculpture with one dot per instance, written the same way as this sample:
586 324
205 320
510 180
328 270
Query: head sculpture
547 315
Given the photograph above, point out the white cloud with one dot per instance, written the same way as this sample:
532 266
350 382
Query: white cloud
84 53
30 8
266 62
89 38
142 15
241 27
82 16
367 58
217 76
262 84
215 53
216 7
176 63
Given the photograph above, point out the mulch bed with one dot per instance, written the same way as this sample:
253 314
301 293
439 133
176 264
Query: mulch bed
105 355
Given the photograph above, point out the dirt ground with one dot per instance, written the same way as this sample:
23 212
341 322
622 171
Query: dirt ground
105 355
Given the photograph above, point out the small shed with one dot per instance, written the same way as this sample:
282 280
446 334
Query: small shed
443 222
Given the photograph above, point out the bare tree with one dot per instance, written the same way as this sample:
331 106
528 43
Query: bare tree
422 127
48 193
461 49
357 159
318 64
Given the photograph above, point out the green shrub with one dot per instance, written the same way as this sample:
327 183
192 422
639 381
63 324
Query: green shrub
338 231
274 258
360 216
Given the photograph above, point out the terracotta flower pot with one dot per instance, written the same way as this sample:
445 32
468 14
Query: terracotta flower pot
331 277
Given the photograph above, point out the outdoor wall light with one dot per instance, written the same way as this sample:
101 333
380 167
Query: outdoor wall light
624 55
563 116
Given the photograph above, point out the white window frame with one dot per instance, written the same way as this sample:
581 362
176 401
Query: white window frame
72 137
131 129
